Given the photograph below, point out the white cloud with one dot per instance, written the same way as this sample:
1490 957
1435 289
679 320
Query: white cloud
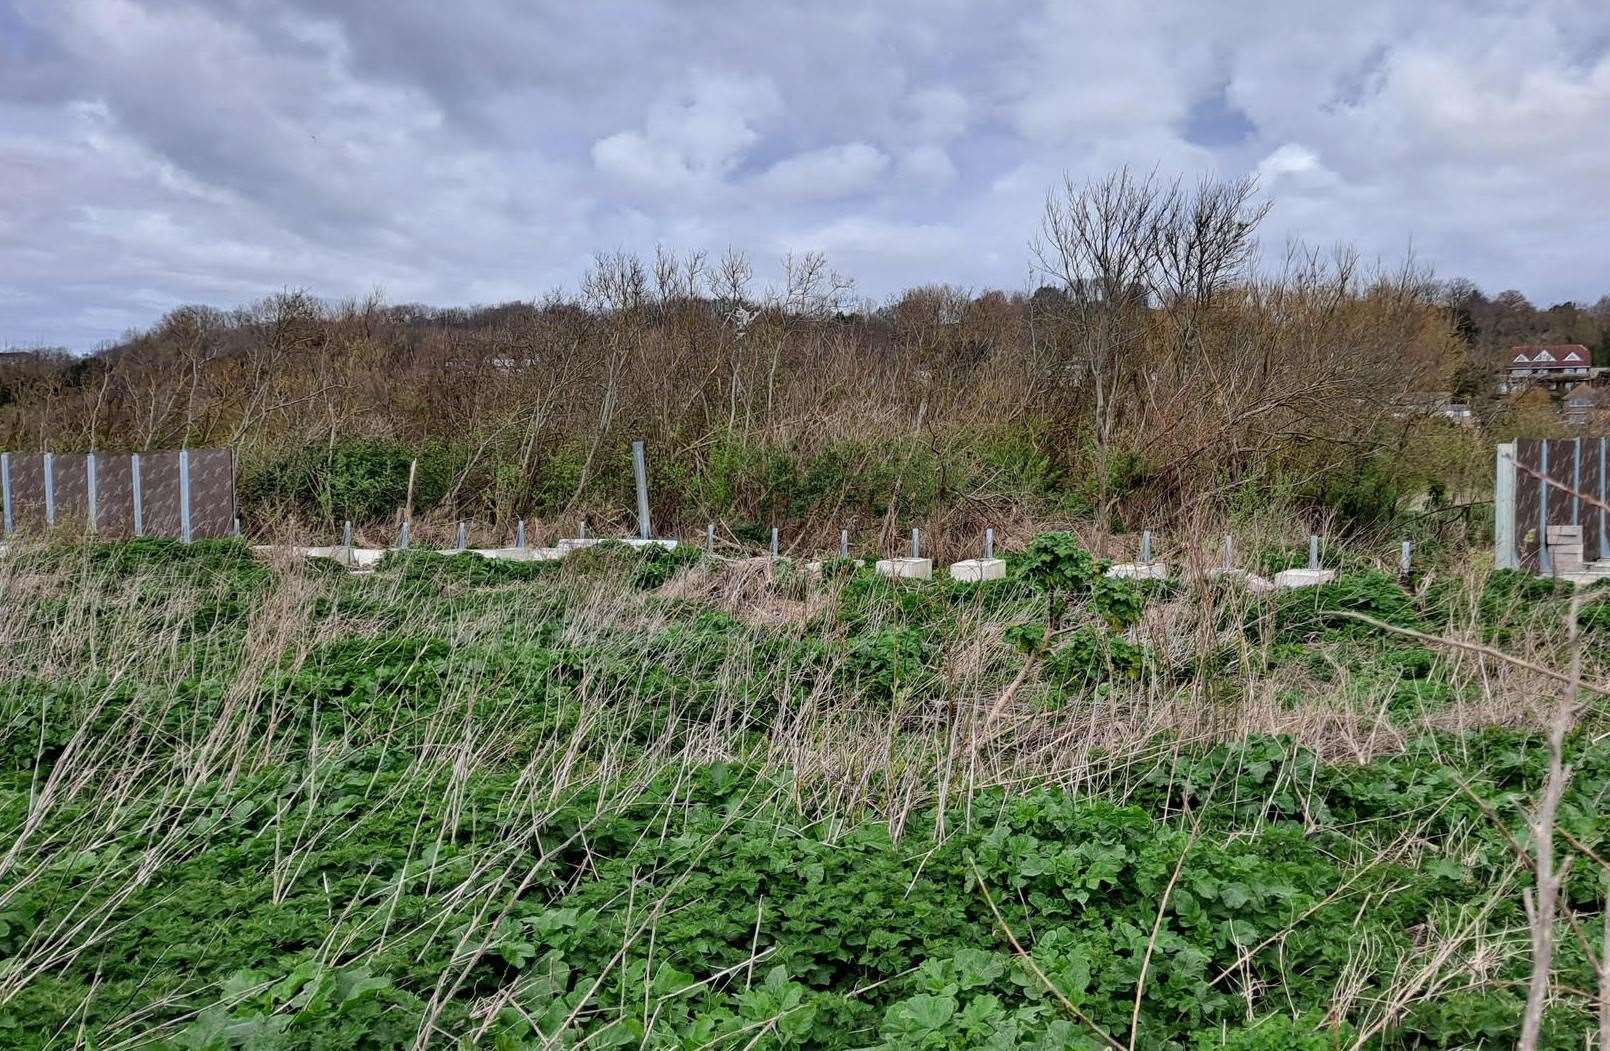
835 171
163 151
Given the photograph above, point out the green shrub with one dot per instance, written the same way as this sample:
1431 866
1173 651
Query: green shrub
357 479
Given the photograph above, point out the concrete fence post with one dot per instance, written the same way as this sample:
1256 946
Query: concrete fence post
709 538
237 527
1404 558
1505 555
519 534
1146 547
989 543
5 489
1545 560
136 494
50 489
90 494
916 543
640 471
184 494
346 534
402 537
463 535
1313 552
844 543
773 541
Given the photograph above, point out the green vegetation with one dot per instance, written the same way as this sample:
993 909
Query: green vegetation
640 800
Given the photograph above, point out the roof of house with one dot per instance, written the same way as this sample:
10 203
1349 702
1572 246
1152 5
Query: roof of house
1557 356
1584 395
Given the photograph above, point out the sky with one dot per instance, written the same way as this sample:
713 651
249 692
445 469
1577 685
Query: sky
155 153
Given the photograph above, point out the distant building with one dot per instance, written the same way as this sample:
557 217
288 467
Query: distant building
1584 405
1432 403
1550 367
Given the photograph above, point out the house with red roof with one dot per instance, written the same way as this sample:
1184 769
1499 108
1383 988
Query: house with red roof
1552 367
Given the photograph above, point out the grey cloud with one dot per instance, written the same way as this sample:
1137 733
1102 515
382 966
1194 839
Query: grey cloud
156 152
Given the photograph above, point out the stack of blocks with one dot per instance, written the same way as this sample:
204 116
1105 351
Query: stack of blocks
1565 548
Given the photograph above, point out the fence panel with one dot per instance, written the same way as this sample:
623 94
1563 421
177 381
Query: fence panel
56 491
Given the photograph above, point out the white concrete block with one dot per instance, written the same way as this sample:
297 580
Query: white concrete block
567 546
366 557
1139 571
974 570
1251 581
906 568
1303 578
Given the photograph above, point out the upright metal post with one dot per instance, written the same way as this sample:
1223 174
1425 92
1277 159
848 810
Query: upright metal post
50 489
136 494
1404 559
709 538
1544 561
1576 484
989 543
402 537
237 527
1313 552
1146 547
5 489
90 493
844 543
184 494
463 536
1602 442
519 534
644 530
346 534
916 543
582 530
773 541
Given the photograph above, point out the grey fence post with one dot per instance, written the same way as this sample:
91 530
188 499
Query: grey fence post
1544 562
136 494
709 538
640 470
50 489
1313 552
1602 442
1504 506
463 536
184 494
916 543
402 538
1146 547
237 527
90 493
1404 559
989 543
582 530
5 488
844 543
773 541
1576 484
519 534
346 534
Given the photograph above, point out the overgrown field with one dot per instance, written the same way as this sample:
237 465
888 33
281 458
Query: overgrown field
644 800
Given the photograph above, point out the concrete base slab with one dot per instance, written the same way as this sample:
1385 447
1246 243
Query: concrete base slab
576 544
1139 571
1303 578
974 570
906 568
1251 581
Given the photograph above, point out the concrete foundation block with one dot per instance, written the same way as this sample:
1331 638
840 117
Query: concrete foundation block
906 568
974 570
1251 581
1564 534
567 546
1139 571
1303 578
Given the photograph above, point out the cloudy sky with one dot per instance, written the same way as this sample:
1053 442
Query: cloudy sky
159 152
